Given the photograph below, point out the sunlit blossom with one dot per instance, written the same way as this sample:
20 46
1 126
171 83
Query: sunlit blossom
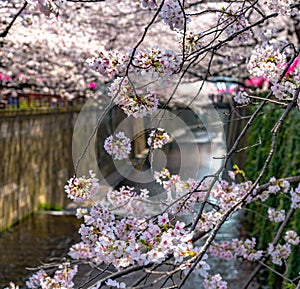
82 188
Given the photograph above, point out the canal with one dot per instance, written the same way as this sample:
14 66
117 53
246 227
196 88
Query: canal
44 236
37 239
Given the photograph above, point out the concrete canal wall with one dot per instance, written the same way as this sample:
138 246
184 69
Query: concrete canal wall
35 162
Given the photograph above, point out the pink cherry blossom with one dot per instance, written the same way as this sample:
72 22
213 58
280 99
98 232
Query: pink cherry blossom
172 15
82 188
279 252
133 101
118 146
214 282
158 138
280 6
241 97
276 215
267 61
62 278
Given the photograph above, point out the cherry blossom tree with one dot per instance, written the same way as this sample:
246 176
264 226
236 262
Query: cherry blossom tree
159 42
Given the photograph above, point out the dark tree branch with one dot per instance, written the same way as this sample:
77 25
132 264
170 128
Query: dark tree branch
5 32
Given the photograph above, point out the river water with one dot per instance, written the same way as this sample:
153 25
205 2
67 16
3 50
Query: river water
38 238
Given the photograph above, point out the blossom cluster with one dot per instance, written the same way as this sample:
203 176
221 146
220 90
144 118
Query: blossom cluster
234 22
227 194
207 220
276 215
267 61
274 188
158 138
118 146
153 61
241 97
82 188
291 237
109 63
62 278
279 252
236 248
80 251
283 7
246 249
214 282
137 239
133 101
286 89
126 199
172 15
192 41
126 241
156 62
171 183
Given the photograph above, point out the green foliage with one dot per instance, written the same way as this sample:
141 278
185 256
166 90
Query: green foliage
285 162
289 286
49 207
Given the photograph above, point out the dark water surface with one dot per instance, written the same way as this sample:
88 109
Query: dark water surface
37 239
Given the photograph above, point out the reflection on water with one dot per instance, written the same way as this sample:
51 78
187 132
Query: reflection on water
37 239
